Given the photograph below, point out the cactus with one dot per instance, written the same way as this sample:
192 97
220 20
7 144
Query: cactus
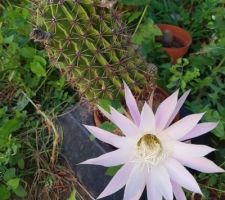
90 44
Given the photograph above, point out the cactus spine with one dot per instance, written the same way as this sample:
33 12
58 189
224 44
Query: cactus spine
91 46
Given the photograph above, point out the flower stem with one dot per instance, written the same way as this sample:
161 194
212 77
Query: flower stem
142 16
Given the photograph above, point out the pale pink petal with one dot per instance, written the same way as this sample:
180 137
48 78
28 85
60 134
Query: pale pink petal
178 191
181 149
126 125
114 158
183 126
152 190
201 164
147 119
135 184
107 137
181 176
165 110
118 180
132 105
105 113
199 130
178 107
161 179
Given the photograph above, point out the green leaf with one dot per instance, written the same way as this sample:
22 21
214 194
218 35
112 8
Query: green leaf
9 39
21 163
9 127
10 174
72 195
2 112
146 33
108 126
212 180
13 183
41 60
4 193
38 69
135 2
134 16
219 131
20 191
1 38
213 115
111 171
28 52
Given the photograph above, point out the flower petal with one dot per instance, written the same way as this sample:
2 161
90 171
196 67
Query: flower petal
181 176
199 130
165 111
147 119
201 164
178 106
178 191
152 190
161 179
125 124
114 158
132 105
118 180
183 126
135 184
107 137
182 149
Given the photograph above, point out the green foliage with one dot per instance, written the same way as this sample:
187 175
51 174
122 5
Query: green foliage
135 2
108 126
72 195
21 63
24 68
111 171
145 38
10 153
195 16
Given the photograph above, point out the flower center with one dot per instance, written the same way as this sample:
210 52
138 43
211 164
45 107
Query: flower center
150 150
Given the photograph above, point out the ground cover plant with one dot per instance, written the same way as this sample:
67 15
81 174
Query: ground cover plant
33 91
28 165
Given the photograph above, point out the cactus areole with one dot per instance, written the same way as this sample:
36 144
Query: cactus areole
90 45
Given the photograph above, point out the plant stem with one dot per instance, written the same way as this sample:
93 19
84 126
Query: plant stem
211 188
142 16
221 62
50 124
217 68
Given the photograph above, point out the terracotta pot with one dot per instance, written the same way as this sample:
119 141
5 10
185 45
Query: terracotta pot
182 36
159 96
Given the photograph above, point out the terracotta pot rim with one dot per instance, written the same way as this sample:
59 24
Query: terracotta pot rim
181 29
97 112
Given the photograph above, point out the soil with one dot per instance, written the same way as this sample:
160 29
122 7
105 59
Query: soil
7 93
176 43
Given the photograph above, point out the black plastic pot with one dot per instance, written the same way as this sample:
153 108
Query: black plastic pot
79 146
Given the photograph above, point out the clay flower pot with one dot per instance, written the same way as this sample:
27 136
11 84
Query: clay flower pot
181 36
159 95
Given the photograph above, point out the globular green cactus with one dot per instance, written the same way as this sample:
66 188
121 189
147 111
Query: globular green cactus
90 44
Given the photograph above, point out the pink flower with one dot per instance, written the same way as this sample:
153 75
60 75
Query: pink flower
152 152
